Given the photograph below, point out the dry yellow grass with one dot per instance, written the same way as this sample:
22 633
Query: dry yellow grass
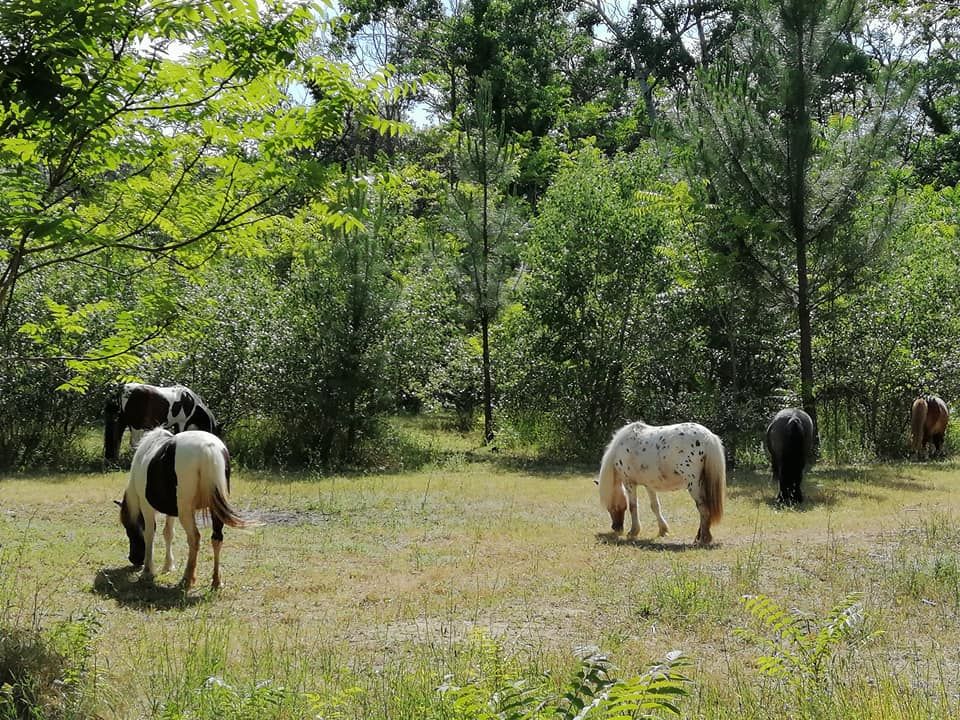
390 573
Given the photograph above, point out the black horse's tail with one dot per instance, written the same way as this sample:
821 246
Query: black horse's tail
794 453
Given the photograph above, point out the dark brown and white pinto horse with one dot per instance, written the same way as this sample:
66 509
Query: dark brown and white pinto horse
143 407
177 475
928 423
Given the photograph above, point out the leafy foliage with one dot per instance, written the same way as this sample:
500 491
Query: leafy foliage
797 654
46 674
591 693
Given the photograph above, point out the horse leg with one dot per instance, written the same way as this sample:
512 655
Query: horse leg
149 530
937 445
796 497
655 506
785 487
193 546
632 504
168 540
704 537
216 539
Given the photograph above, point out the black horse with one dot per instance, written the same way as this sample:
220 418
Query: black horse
789 441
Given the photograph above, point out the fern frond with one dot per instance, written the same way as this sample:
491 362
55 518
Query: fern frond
651 694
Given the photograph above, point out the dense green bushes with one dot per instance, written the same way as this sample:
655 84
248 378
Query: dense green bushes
627 305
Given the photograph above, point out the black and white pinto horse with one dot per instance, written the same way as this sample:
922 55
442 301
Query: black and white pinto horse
789 441
177 475
672 457
143 407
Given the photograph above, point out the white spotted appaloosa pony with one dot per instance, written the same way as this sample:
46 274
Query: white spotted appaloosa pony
672 457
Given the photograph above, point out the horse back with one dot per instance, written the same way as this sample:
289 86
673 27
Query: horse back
144 406
664 457
790 432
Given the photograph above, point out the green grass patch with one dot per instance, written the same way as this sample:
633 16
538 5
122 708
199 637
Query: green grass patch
374 595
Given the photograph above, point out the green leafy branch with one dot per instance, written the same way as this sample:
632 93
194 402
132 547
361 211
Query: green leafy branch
798 653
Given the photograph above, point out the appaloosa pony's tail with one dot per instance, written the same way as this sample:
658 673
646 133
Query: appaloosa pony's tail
713 477
215 481
918 418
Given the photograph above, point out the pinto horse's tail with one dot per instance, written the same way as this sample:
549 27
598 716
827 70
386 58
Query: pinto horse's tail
918 418
713 477
215 479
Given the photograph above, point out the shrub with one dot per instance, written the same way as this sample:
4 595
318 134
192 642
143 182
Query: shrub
45 675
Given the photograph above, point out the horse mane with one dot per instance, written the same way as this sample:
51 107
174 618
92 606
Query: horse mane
152 441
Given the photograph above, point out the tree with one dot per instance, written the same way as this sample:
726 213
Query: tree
655 43
789 132
487 222
930 31
136 136
576 345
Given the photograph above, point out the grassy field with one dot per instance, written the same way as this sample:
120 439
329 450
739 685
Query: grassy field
361 596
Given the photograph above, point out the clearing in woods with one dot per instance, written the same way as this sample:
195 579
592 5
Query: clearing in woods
370 589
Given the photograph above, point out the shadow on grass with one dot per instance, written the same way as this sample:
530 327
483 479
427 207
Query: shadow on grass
123 584
826 486
656 545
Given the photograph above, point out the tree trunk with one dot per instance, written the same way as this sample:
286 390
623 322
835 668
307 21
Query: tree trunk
807 397
800 151
485 299
487 382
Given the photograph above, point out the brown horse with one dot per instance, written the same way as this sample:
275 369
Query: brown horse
928 423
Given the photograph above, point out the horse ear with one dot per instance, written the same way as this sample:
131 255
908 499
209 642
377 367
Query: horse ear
596 481
119 504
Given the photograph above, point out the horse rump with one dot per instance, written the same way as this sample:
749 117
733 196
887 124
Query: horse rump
789 441
929 417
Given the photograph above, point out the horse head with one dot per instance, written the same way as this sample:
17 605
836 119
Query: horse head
616 519
615 499
134 530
